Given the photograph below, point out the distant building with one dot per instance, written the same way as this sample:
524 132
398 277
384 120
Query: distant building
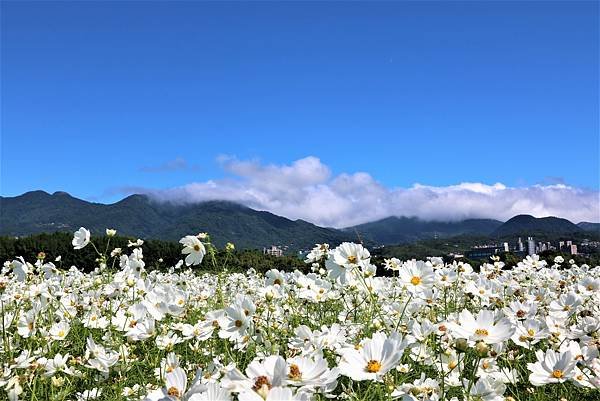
273 251
530 246
560 245
484 252
506 247
520 246
573 249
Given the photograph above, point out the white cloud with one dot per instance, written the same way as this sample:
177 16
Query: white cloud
307 190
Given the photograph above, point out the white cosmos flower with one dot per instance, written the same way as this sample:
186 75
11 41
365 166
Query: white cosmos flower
57 364
176 388
81 238
310 373
344 261
193 248
261 378
422 389
416 275
20 268
487 389
483 328
59 330
552 367
89 394
374 358
214 392
275 394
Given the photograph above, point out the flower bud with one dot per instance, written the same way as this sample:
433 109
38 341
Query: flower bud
482 348
461 345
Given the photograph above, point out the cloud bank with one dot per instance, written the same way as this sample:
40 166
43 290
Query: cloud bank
306 189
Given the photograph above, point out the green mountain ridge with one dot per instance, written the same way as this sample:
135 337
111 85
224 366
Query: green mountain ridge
398 230
140 216
587 226
525 224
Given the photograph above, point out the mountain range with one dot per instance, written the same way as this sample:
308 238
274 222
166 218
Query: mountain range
141 216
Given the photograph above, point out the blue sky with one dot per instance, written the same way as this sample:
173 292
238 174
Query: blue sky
98 96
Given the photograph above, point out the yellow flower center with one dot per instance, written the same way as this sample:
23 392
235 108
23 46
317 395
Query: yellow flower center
238 323
416 280
352 259
557 373
482 332
452 365
295 373
173 392
61 333
373 366
262 385
530 332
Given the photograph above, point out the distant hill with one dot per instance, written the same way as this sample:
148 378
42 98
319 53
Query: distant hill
587 226
397 230
525 224
140 216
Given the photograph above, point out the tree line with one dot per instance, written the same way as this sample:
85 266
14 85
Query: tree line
158 254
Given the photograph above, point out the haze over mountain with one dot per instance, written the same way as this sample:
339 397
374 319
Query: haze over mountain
396 230
145 217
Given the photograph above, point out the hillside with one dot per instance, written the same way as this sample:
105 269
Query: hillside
587 226
397 230
527 225
138 215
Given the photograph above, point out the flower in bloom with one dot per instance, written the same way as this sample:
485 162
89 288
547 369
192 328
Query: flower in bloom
345 259
59 330
552 367
262 378
309 373
81 238
487 389
483 328
57 364
275 394
373 358
20 268
416 276
111 232
176 388
214 392
89 394
193 248
422 389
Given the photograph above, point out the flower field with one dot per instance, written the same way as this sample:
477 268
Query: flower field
339 330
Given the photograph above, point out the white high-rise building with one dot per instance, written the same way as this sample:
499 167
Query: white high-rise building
520 245
530 246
